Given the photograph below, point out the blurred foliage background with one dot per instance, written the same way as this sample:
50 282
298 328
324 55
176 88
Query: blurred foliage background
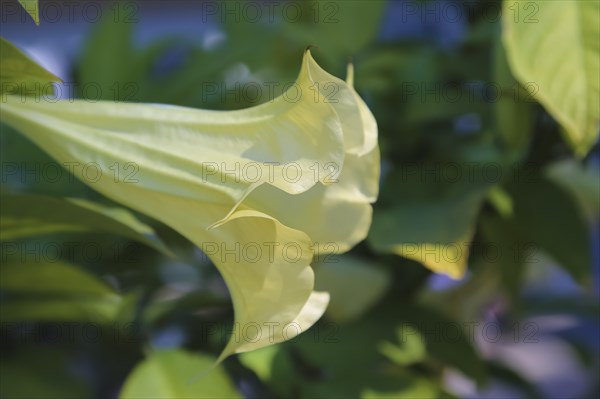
99 302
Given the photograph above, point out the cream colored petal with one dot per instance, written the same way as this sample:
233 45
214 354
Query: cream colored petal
339 213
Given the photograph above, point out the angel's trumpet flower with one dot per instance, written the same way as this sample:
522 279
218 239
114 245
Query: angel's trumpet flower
259 190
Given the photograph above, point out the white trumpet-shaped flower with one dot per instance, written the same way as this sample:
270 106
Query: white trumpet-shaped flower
260 190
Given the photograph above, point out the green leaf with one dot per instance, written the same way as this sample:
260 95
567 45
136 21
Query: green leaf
410 350
26 215
68 309
160 310
338 27
445 339
351 360
54 291
178 374
550 218
31 6
580 181
108 61
354 285
432 228
274 366
17 71
502 235
414 388
41 372
554 45
58 279
514 113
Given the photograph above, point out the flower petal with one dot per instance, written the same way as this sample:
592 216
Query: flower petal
258 190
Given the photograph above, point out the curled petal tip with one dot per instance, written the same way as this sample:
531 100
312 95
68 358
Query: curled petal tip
311 46
350 73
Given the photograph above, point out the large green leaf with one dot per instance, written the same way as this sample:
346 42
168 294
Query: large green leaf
433 228
551 219
54 291
41 372
58 279
581 181
338 27
555 46
178 374
513 111
26 215
513 251
355 285
445 339
108 62
344 361
274 366
17 71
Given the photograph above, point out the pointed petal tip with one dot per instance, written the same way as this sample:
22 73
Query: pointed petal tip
309 47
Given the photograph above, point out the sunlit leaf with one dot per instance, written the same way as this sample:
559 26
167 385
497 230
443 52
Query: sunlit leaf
413 388
18 71
434 230
554 46
409 349
178 374
32 8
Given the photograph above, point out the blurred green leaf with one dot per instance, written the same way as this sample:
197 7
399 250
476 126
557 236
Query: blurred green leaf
18 71
581 182
178 374
274 366
354 285
107 66
411 348
58 279
510 251
54 291
513 110
158 310
334 361
55 309
41 373
339 28
445 339
550 218
417 388
555 46
432 228
26 215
